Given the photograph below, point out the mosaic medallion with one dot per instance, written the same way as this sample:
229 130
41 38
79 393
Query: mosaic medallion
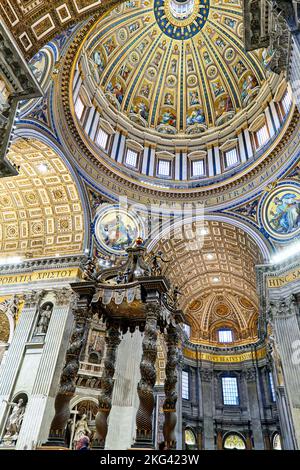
280 211
116 229
181 19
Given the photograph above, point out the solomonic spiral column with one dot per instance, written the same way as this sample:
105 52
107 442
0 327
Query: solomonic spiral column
69 373
112 340
148 378
172 338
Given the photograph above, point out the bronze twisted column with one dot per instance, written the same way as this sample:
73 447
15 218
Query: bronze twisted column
172 338
68 379
112 340
148 378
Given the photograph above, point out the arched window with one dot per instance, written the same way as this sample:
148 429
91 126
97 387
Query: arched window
276 442
225 335
234 442
190 439
286 102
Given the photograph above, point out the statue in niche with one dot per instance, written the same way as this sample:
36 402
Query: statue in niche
12 306
15 420
81 429
44 318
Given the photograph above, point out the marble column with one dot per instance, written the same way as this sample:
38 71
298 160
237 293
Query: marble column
172 338
207 378
144 437
121 424
13 361
285 419
179 431
250 377
112 340
68 377
39 411
283 316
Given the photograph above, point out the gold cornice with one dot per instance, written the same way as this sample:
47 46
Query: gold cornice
198 355
40 276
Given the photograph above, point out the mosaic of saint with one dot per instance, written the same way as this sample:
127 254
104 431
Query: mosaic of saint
116 230
281 212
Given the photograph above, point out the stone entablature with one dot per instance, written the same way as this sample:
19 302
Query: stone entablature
30 274
234 355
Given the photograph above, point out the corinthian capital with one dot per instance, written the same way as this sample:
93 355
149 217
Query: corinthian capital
291 305
250 374
33 298
273 309
63 296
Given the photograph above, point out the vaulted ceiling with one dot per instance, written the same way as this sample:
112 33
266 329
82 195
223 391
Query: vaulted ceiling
216 275
41 213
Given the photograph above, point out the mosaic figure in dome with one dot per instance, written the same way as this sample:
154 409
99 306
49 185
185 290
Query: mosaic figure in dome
141 109
173 67
206 57
194 98
98 61
134 27
247 86
230 22
145 90
116 90
125 72
190 65
217 88
267 55
195 117
109 46
168 118
285 213
157 59
224 105
169 99
220 43
239 68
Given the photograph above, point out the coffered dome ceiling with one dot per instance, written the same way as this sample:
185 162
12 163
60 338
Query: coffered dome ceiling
216 277
41 213
177 67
